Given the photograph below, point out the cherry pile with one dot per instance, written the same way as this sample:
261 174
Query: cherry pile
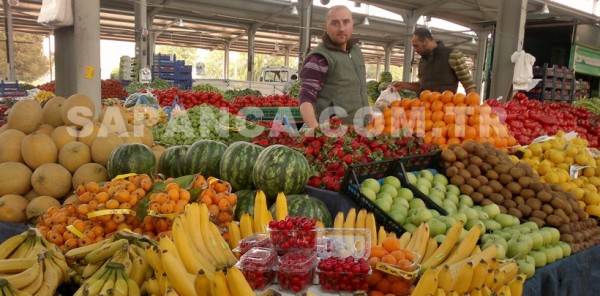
296 270
293 233
257 266
339 274
260 239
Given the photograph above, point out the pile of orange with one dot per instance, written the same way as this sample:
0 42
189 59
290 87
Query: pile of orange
219 199
390 253
444 118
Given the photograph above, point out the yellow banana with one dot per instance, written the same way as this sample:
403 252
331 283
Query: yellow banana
120 288
9 289
463 278
372 227
246 228
202 284
452 293
132 288
440 292
94 284
475 292
504 290
16 265
177 274
192 223
106 251
81 252
428 284
22 250
338 221
404 239
240 285
486 291
52 278
37 283
222 245
153 258
109 284
92 268
475 251
466 246
499 280
392 235
361 219
319 224
414 237
491 278
11 244
62 265
152 286
234 234
445 278
191 259
431 248
123 258
260 204
139 265
170 291
421 244
510 268
445 247
381 235
26 277
209 240
349 224
219 285
281 206
516 285
479 273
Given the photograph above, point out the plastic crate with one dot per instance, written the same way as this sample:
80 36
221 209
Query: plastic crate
271 112
11 89
355 174
431 161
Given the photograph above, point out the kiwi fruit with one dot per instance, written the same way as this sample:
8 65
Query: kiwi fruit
501 168
473 170
558 203
497 198
461 154
573 217
470 146
546 187
466 189
524 181
457 180
448 155
527 168
486 202
519 200
488 146
514 187
556 187
473 182
506 193
451 171
515 212
483 180
548 209
554 220
525 209
536 186
544 196
562 215
477 197
480 152
567 238
539 214
565 228
527 193
492 160
540 222
580 213
534 203
505 179
465 173
503 209
495 185
509 203
485 190
475 160
492 175
486 167
459 164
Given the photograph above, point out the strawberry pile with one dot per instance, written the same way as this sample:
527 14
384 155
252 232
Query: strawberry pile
189 99
110 88
331 148
276 100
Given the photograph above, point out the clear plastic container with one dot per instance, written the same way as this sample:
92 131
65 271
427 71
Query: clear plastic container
404 272
344 242
343 274
258 266
288 240
259 239
296 270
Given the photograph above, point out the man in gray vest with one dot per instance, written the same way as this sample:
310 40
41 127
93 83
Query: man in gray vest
440 67
333 75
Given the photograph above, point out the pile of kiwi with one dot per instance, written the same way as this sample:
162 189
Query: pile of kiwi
580 235
489 175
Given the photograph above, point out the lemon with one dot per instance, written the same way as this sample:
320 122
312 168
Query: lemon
589 172
557 157
552 177
591 198
581 204
594 180
563 176
536 149
563 166
581 159
578 192
589 187
558 144
569 160
514 159
543 170
546 145
527 153
571 151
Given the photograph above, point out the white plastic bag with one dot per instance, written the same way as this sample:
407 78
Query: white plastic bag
56 13
387 96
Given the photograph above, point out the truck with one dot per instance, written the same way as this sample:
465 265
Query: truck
273 80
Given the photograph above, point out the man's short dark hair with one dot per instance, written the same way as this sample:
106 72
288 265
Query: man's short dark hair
423 34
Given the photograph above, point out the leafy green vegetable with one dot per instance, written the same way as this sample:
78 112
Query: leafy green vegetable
231 94
207 87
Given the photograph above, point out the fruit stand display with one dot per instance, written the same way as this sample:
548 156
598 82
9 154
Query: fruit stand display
443 203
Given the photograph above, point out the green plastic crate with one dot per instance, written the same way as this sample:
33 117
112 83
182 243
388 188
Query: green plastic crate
270 112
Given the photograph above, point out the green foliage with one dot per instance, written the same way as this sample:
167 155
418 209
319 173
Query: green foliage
231 94
591 104
136 86
30 61
295 89
206 87
385 76
238 67
189 55
373 89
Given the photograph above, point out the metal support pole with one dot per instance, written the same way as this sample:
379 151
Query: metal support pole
286 57
226 61
141 32
151 41
251 34
377 68
387 57
305 23
10 52
410 19
480 60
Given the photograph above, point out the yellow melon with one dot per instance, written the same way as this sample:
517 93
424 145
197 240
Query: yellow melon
10 145
46 129
12 208
144 133
51 113
158 151
70 199
129 138
51 179
39 205
16 178
63 135
89 172
31 194
102 147
4 128
78 110
25 115
73 155
90 131
38 149
114 118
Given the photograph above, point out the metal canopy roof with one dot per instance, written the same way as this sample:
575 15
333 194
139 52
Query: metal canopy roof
210 24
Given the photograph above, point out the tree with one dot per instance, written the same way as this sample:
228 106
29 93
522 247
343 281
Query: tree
189 55
30 61
239 66
213 65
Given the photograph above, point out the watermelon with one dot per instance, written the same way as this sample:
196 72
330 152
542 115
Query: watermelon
172 161
281 169
302 205
203 157
237 164
245 203
131 158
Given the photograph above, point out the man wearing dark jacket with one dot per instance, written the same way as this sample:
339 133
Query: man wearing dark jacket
440 67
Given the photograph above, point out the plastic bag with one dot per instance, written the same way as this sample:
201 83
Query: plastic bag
175 109
387 96
56 13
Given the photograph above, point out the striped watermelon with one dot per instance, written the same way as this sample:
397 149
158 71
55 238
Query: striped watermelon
131 158
281 169
302 205
203 157
237 164
172 161
245 203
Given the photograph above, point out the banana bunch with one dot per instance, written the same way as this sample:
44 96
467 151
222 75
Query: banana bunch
126 248
232 284
7 289
112 279
262 216
31 264
362 219
43 95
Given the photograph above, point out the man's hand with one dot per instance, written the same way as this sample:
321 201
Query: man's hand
399 85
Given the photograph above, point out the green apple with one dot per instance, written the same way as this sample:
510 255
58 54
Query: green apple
436 200
516 221
483 215
400 201
426 174
465 200
452 198
451 188
371 183
489 237
526 267
505 220
550 253
523 229
513 231
386 196
492 225
440 178
435 213
421 215
448 220
559 252
416 203
439 238
470 224
449 206
423 188
398 216
436 227
412 178
388 188
534 227
504 234
384 204
405 193
437 194
539 257
492 210
424 182
439 187
566 248
368 192
410 227
391 180
538 239
518 247
547 236
501 254
555 234
460 216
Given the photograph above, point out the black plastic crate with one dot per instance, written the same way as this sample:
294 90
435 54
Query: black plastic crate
350 188
417 163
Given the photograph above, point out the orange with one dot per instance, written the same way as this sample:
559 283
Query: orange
428 125
439 140
383 286
415 103
437 115
400 287
390 244
453 141
405 103
449 118
474 120
378 252
428 138
375 293
388 259
397 112
426 105
395 104
437 106
428 114
447 96
473 99
458 98
424 95
387 113
470 133
456 131
511 141
485 109
374 278
435 96
398 254
373 260
500 142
